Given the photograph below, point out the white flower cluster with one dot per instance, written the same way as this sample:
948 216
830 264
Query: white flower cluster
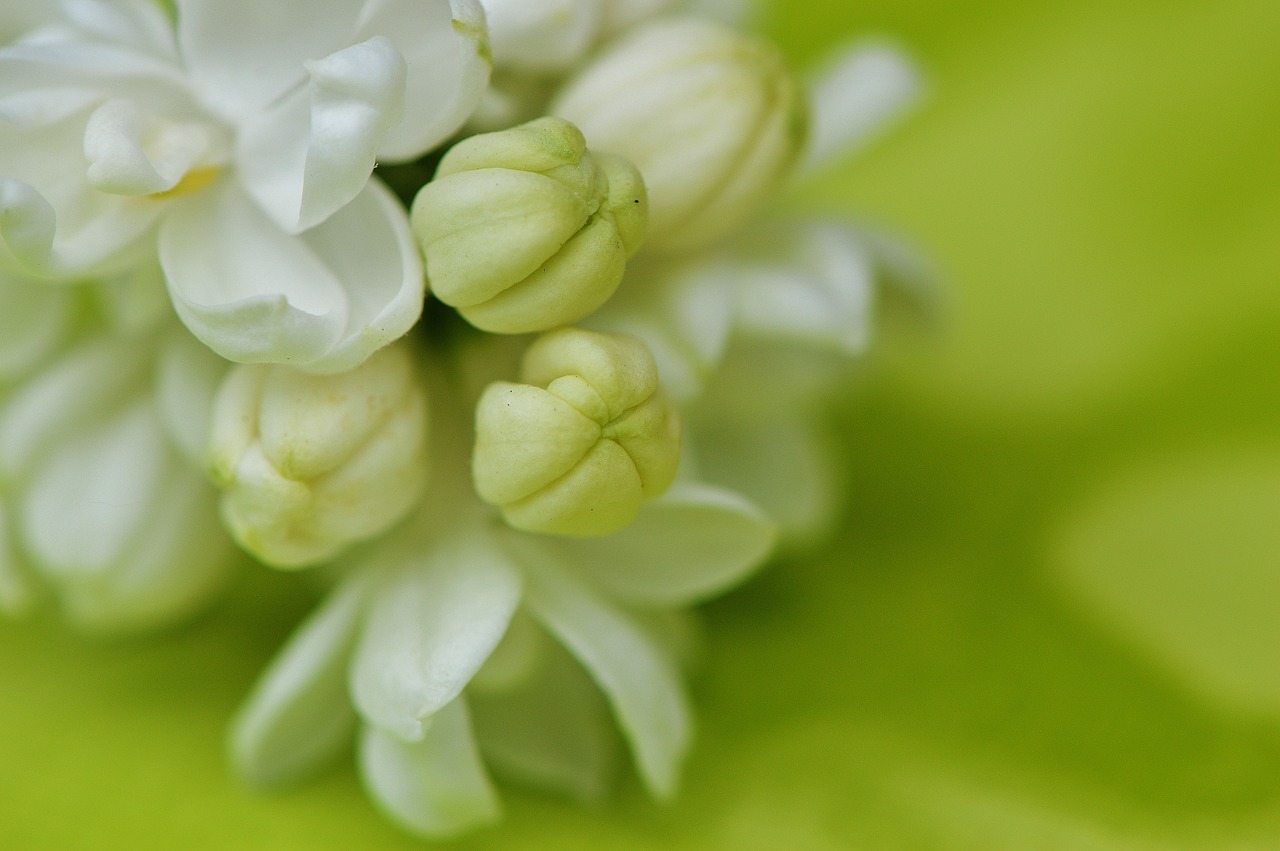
210 355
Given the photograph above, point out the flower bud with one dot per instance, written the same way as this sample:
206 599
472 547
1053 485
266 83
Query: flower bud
525 229
583 442
711 117
312 463
543 37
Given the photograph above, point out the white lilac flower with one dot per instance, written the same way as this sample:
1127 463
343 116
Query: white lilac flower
525 229
504 613
103 507
239 143
440 636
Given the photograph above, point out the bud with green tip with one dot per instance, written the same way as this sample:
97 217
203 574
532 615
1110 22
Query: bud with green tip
580 445
525 229
711 117
310 464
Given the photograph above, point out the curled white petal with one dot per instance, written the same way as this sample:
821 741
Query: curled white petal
322 301
306 157
436 786
130 153
446 50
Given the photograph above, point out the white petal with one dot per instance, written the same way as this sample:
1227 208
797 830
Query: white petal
692 543
430 629
187 378
142 25
435 787
93 377
125 532
861 90
109 70
324 300
810 283
446 48
243 54
552 731
306 157
786 465
76 232
34 320
639 681
298 715
82 510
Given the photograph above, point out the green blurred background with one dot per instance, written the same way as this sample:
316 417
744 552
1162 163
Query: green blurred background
1052 617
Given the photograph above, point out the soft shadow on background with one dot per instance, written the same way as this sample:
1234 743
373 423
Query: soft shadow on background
1051 619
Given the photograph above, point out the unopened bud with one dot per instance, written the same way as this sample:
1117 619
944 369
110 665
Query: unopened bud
711 117
580 445
309 463
525 229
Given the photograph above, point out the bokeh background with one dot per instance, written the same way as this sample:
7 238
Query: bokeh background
1051 617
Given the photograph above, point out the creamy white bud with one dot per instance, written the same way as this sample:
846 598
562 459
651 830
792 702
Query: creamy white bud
583 442
547 36
525 230
711 117
310 464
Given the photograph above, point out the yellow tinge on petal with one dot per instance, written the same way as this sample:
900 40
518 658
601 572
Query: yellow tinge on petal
580 445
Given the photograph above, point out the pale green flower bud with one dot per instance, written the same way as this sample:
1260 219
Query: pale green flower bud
583 442
711 117
312 463
525 229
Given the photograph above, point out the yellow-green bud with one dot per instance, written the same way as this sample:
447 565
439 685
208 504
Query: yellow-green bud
712 118
310 463
525 229
583 442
